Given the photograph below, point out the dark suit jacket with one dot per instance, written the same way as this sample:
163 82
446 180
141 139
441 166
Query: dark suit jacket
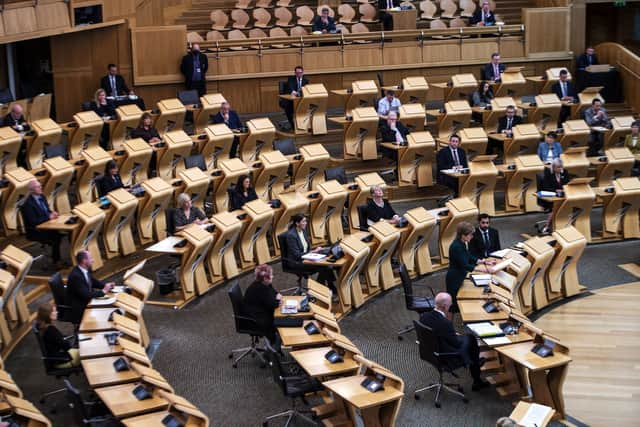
442 328
79 292
490 19
376 213
33 215
502 122
121 86
487 71
292 84
389 135
571 90
444 159
382 4
582 61
186 67
477 246
549 182
237 199
461 262
107 184
294 245
318 25
234 120
9 121
104 110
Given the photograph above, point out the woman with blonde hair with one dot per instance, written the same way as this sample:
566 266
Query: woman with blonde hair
107 111
55 345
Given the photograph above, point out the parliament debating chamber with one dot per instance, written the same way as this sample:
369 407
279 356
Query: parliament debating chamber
363 213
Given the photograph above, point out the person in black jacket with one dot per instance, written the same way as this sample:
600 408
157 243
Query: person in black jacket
145 130
110 180
113 83
486 239
378 208
450 342
15 120
554 179
298 244
451 157
393 131
494 69
386 18
588 58
566 91
187 214
107 111
324 23
230 118
294 88
508 121
483 17
35 210
242 193
54 343
194 67
82 286
260 301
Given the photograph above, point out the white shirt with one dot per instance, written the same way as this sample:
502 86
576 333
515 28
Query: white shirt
112 79
305 247
87 277
456 158
444 315
384 106
550 155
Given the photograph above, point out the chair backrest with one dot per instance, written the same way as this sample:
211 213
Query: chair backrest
195 161
368 12
262 17
264 3
286 146
457 23
428 9
189 97
283 16
298 31
59 150
171 226
338 173
362 217
283 3
214 35
428 344
76 402
438 24
235 295
193 37
305 15
342 29
325 6
468 7
278 32
242 323
346 12
219 19
48 363
243 4
449 8
240 18
6 96
284 252
236 35
59 293
86 106
359 28
257 33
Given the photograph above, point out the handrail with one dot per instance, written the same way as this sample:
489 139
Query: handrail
628 64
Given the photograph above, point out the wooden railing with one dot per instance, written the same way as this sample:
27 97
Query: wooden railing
628 64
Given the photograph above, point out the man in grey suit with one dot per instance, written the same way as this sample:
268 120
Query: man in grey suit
596 116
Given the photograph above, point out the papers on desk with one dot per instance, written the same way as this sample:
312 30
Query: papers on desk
543 193
313 256
599 128
485 329
98 302
535 415
519 245
290 306
494 341
165 245
501 265
500 254
481 279
118 289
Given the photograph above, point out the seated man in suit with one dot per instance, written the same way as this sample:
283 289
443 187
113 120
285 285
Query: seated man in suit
486 239
82 286
566 91
386 18
113 83
494 69
450 342
549 149
324 23
15 119
393 131
230 118
596 115
294 88
451 157
589 57
35 210
508 121
483 17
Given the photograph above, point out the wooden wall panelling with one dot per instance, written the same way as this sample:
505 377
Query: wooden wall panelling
628 65
245 62
118 9
52 14
322 58
244 95
19 18
154 93
3 70
548 31
402 53
1 25
441 51
330 82
269 94
511 47
157 52
278 60
362 55
479 49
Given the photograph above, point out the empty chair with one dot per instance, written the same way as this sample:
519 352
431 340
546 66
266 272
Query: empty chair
193 37
213 36
438 24
413 302
266 4
457 23
449 9
257 33
243 4
245 325
240 19
359 28
298 31
237 35
428 9
262 18
284 3
278 32
219 20
468 7
283 17
341 28
347 13
368 14
305 16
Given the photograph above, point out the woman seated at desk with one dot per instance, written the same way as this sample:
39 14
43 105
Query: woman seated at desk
260 301
242 193
378 207
105 109
110 180
54 343
481 98
298 244
145 130
554 179
549 149
187 214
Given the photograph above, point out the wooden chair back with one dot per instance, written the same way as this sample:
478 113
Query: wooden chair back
283 17
347 13
428 9
240 19
243 4
457 23
438 24
257 33
262 18
368 13
298 31
193 37
449 9
214 35
359 28
468 7
305 15
265 4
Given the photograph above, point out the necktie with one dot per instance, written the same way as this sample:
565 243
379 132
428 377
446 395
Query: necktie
456 160
398 135
389 4
485 236
564 89
43 205
299 85
509 123
496 72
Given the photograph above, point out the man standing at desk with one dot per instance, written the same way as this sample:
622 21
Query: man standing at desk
388 103
588 58
324 23
450 342
494 69
294 88
230 118
483 17
82 286
486 239
451 157
113 83
194 68
35 210
386 18
566 91
15 119
596 116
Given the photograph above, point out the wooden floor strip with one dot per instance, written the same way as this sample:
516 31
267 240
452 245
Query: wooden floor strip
631 268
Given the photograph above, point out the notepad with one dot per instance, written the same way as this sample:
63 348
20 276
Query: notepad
481 279
535 415
500 254
485 329
494 341
290 306
117 289
103 301
543 193
313 256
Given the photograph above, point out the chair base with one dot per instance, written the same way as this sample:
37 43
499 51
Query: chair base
439 386
254 351
405 330
290 414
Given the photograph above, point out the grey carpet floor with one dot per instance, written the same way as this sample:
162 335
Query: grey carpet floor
194 344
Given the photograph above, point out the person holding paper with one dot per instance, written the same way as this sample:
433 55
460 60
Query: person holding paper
452 157
261 299
554 179
451 342
486 239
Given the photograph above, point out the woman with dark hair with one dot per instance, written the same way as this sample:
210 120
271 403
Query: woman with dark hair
481 98
145 130
242 193
260 301
54 343
461 262
107 111
110 180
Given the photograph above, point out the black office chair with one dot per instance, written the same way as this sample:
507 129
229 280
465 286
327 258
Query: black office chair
171 226
443 362
285 146
88 413
419 304
293 386
362 217
245 325
58 150
59 292
85 106
288 266
338 173
49 366
195 161
189 97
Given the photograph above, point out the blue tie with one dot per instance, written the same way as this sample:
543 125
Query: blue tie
43 205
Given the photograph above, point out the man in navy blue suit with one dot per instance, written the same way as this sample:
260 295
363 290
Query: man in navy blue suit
483 17
588 58
451 157
230 118
35 210
566 91
494 69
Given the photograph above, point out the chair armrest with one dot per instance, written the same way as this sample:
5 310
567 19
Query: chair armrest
245 319
54 359
424 285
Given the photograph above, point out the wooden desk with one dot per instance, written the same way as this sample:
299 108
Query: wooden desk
521 409
97 346
472 311
312 360
297 337
100 372
403 19
122 403
277 312
58 224
96 320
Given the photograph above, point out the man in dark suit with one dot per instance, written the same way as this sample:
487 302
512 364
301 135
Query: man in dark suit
113 83
451 157
393 131
508 121
566 91
15 120
194 67
450 342
494 69
82 286
386 18
485 239
589 57
230 118
294 88
483 17
35 210
324 23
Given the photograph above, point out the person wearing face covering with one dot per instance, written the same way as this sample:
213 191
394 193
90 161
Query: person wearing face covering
194 67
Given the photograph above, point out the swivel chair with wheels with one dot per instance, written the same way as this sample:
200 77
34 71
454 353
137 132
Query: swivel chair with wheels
59 292
443 362
245 325
419 304
287 266
88 413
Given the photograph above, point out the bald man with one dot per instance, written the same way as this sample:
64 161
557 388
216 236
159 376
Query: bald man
450 341
15 119
35 210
